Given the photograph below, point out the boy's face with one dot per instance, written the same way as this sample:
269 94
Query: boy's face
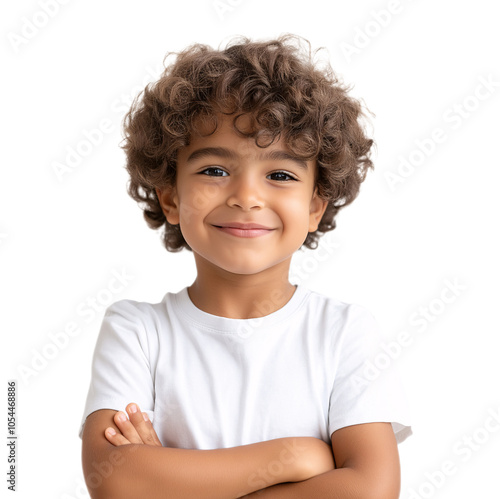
239 211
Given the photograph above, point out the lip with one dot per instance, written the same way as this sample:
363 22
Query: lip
241 229
241 225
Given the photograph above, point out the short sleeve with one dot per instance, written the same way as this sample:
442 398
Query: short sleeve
120 365
367 386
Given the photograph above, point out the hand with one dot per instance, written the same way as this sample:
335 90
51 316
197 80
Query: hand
136 429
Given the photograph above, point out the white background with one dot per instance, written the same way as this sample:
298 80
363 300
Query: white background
396 250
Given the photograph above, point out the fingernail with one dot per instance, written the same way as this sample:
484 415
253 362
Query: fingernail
132 409
110 431
122 417
145 416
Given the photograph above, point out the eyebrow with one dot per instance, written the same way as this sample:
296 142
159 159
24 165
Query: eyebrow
222 152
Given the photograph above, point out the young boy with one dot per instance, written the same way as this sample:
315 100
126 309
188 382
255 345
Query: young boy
242 382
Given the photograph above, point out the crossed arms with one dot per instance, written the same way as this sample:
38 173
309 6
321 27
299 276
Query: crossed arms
132 463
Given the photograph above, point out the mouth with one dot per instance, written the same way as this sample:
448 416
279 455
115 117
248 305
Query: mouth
243 226
244 229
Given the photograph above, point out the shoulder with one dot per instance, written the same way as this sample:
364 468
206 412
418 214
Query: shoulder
131 309
323 304
341 312
128 321
347 323
136 311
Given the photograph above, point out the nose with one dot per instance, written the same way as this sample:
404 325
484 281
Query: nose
245 193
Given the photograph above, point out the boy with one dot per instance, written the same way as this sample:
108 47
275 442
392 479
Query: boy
245 380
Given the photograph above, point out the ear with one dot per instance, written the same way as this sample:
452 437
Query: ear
316 211
169 202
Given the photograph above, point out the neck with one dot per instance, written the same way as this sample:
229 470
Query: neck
241 296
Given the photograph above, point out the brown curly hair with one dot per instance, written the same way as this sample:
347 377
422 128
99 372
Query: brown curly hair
274 82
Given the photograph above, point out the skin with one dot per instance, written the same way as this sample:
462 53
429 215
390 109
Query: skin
238 269
366 464
235 273
131 462
136 430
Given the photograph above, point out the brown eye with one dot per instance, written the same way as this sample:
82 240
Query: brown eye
281 176
214 172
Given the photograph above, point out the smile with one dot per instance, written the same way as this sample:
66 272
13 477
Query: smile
244 230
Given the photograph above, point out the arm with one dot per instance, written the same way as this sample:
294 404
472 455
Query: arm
367 462
115 468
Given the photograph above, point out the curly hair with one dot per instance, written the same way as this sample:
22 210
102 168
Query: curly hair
277 84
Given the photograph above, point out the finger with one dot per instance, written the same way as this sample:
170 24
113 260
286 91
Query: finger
152 430
143 428
114 437
127 428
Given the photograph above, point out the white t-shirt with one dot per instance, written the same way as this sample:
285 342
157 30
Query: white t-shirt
211 382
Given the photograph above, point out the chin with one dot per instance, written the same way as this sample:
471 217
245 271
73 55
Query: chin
244 268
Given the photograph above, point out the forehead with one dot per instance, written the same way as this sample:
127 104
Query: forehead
205 126
223 130
227 142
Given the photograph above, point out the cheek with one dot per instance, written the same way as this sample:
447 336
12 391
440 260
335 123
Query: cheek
199 198
295 213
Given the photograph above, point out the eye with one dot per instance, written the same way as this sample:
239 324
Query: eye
281 176
213 171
